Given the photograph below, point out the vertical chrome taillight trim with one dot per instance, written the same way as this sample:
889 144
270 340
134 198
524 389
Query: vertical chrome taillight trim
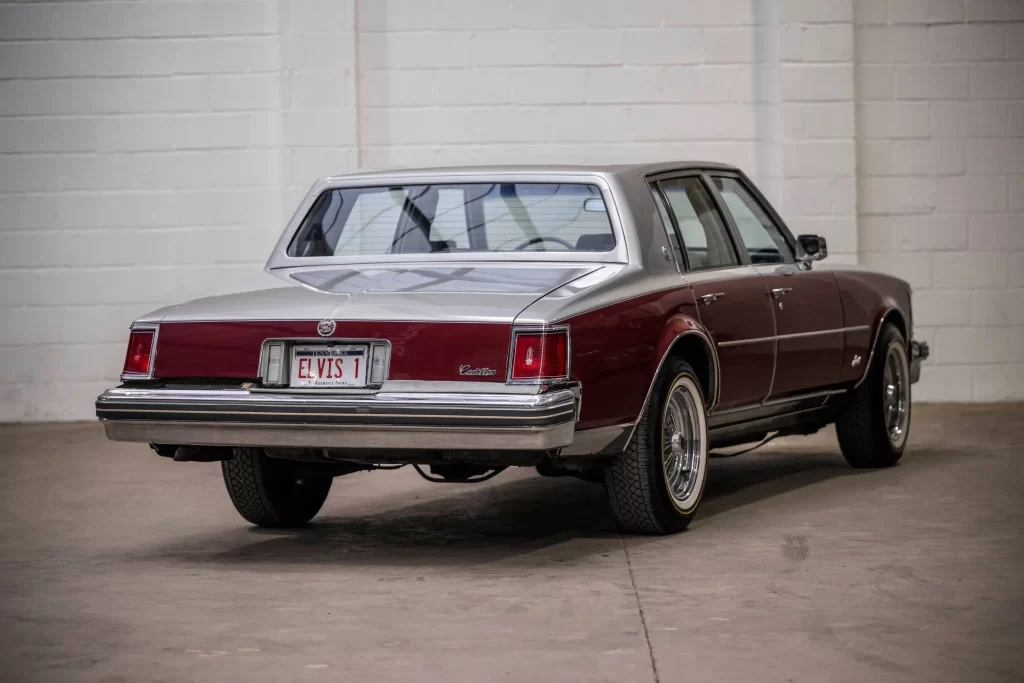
539 329
268 375
136 376
379 369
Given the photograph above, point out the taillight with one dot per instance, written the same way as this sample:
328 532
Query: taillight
139 360
540 355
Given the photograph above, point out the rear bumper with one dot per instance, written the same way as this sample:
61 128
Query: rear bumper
918 352
239 417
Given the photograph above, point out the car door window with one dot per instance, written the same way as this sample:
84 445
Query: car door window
701 228
761 237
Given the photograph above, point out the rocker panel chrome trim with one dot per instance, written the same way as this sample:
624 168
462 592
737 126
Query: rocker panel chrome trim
781 401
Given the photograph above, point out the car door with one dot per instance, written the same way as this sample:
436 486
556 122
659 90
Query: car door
732 298
806 303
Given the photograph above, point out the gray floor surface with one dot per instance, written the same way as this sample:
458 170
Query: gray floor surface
118 565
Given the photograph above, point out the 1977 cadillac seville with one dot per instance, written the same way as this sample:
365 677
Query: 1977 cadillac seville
615 323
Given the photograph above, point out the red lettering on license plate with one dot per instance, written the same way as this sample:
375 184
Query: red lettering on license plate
327 366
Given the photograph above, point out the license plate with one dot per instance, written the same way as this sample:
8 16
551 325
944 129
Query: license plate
324 366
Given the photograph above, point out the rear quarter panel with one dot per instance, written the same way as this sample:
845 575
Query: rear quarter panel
616 351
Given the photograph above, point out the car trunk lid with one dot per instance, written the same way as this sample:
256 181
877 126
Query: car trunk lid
448 293
440 321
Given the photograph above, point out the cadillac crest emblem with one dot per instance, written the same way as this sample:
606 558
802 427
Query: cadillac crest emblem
326 327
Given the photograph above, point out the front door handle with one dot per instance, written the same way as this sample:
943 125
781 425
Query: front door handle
780 292
708 299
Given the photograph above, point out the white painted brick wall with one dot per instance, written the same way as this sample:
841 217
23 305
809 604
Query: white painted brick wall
151 150
149 153
818 156
940 93
581 81
569 81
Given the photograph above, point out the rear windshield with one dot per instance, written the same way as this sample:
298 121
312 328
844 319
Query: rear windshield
424 219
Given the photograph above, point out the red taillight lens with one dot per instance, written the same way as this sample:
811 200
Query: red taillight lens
540 355
140 352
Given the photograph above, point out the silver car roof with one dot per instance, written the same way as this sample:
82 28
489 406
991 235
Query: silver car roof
538 169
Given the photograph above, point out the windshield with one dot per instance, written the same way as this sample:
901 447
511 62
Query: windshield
479 217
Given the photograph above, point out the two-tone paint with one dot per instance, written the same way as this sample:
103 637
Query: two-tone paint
765 339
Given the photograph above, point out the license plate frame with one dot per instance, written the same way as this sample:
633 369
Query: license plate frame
328 366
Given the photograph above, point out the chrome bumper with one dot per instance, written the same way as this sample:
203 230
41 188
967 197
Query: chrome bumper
385 420
918 352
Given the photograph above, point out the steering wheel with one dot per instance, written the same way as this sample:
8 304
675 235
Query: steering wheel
766 255
538 240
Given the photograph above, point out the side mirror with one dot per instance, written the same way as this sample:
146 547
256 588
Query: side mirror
815 248
595 205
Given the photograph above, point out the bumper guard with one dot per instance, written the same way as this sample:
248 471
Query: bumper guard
918 352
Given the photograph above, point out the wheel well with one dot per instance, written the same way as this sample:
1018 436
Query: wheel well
896 318
694 350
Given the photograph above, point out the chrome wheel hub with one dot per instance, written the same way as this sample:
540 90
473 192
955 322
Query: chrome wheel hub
895 394
681 444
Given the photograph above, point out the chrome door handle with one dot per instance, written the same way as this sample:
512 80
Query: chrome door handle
708 299
780 292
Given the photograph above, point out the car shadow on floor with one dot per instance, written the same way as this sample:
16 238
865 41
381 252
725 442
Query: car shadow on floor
534 519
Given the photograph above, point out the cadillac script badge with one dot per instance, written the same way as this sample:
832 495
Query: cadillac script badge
475 372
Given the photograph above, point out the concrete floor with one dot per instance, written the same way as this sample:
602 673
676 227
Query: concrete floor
117 565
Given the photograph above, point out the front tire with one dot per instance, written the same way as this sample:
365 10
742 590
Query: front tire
269 492
656 485
874 427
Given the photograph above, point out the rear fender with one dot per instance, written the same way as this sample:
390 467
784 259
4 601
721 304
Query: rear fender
679 331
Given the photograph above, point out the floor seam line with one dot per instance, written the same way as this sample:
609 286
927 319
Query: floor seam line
640 609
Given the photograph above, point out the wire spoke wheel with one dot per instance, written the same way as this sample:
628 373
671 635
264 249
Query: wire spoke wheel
874 424
655 485
895 383
681 445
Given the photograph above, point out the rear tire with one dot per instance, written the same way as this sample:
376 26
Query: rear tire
656 485
269 493
874 427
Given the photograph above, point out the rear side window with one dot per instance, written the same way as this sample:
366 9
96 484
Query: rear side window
701 228
477 217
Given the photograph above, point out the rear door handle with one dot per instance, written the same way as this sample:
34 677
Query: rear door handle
708 299
780 292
